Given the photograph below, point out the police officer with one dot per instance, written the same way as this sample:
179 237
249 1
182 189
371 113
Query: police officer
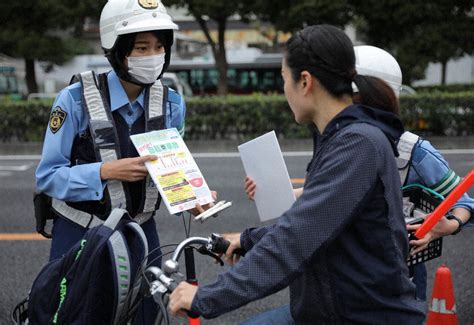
89 165
419 162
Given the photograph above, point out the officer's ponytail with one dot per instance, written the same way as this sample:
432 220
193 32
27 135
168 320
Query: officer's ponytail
375 92
327 53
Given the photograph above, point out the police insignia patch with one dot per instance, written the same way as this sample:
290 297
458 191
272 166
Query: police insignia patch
57 118
148 4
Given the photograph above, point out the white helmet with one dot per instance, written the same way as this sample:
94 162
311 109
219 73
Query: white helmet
121 17
375 62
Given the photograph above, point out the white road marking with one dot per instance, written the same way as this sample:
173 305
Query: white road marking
236 154
19 168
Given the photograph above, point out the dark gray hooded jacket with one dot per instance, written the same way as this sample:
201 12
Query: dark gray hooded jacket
342 246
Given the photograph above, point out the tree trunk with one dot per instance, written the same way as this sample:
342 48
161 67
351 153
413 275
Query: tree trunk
221 59
444 68
218 50
31 76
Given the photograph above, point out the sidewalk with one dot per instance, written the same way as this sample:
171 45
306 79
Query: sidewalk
195 146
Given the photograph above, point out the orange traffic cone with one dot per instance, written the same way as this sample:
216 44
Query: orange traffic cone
443 308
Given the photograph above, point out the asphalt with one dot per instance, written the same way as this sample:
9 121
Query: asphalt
195 146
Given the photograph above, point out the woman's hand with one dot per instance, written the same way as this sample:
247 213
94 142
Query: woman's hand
181 299
234 239
126 169
250 187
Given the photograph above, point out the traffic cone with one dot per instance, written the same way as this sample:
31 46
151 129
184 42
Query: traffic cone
443 308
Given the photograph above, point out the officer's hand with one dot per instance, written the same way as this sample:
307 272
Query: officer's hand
126 169
442 228
198 209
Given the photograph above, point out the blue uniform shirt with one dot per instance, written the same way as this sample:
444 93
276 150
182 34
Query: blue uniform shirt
54 175
429 168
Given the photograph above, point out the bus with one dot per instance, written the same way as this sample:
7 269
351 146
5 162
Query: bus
9 83
261 74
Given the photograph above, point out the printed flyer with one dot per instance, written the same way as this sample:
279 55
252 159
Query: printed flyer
175 173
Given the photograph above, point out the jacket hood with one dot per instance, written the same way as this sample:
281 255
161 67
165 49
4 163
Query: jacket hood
388 123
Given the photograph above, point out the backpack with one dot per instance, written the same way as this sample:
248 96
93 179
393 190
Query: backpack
97 281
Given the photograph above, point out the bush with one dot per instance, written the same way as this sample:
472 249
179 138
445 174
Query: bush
240 117
453 88
245 117
24 120
439 113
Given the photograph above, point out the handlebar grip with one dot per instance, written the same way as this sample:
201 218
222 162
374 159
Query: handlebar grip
221 245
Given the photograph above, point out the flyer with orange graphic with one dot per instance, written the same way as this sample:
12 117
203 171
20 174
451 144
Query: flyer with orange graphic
175 173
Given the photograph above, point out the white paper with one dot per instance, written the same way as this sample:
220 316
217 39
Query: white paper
263 161
175 173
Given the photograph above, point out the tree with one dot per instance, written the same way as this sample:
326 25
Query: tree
418 32
293 15
219 12
45 30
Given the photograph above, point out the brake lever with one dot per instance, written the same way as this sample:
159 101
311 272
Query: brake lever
203 250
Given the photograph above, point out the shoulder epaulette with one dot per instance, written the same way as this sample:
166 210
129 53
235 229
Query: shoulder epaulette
173 96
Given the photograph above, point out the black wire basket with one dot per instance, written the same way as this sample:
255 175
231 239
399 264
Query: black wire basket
425 200
20 312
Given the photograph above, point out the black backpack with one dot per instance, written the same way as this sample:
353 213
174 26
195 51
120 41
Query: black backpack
97 281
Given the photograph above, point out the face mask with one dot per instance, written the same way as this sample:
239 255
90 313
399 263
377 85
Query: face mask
146 69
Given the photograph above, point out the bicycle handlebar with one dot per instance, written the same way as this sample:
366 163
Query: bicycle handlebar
215 244
189 241
161 281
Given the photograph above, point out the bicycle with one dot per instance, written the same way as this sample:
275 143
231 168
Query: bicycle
161 282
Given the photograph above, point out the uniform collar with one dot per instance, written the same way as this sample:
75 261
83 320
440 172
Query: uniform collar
118 97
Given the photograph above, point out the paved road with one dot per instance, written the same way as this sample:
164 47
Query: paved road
21 260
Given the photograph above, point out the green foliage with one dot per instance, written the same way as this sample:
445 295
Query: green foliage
215 10
245 117
42 30
293 15
418 31
240 117
24 120
439 113
445 88
45 30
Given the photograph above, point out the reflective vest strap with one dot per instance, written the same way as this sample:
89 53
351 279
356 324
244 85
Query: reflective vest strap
83 219
405 147
94 104
115 188
143 217
155 107
155 103
93 98
151 196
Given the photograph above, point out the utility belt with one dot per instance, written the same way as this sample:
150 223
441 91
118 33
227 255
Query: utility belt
47 208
